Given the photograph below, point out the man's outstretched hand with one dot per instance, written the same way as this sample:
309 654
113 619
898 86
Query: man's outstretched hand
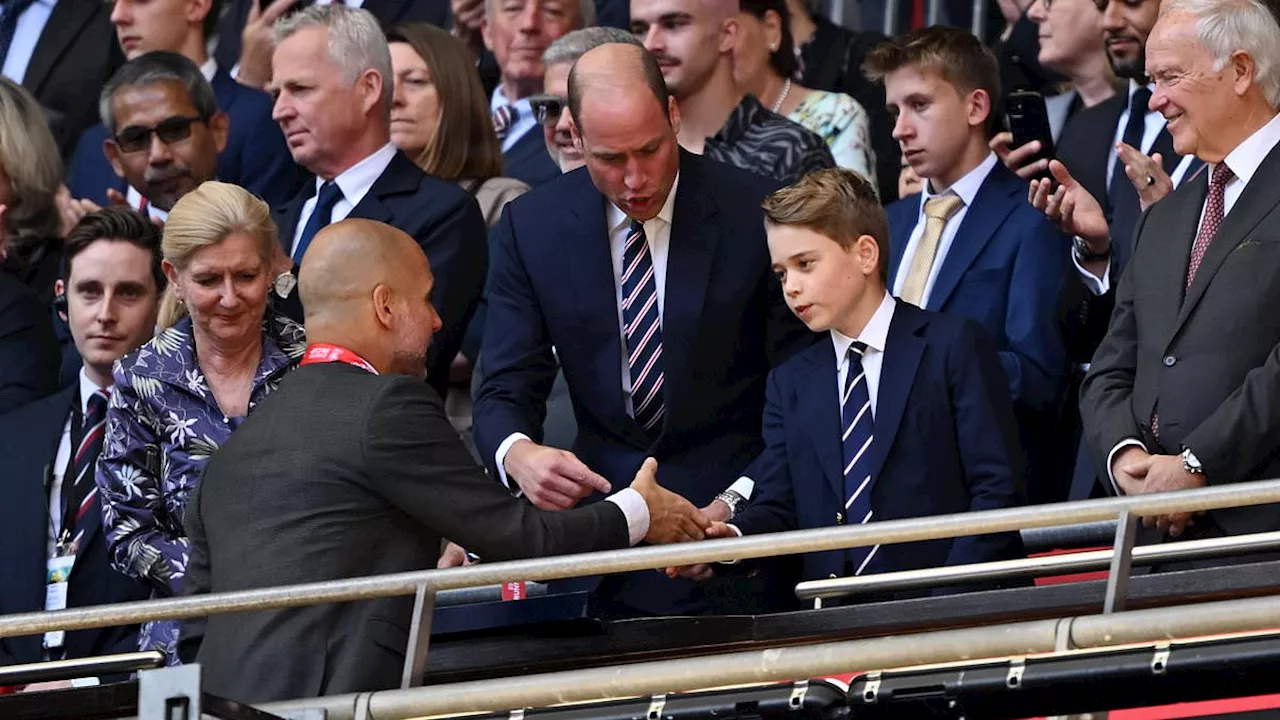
672 519
703 571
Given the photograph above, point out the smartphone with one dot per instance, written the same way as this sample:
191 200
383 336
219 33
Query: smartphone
1028 120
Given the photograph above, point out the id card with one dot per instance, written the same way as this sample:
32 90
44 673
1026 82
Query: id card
58 571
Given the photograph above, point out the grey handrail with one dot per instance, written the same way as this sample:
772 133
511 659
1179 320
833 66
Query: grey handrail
601 563
80 667
1031 567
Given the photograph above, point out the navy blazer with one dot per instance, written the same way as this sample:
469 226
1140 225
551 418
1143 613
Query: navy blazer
724 325
29 354
255 158
1004 270
28 446
945 442
527 160
445 221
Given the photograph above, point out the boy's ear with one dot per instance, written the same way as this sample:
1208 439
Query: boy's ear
868 252
979 106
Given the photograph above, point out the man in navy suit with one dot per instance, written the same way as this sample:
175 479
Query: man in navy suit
109 295
331 76
970 244
255 156
901 413
671 246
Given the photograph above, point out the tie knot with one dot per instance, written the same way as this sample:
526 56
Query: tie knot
1221 176
329 196
96 408
503 118
856 350
637 228
1140 102
942 207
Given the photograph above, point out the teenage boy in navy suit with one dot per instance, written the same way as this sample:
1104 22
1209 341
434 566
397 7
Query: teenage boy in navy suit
903 413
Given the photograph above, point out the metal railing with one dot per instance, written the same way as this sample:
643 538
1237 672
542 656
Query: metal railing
121 664
424 584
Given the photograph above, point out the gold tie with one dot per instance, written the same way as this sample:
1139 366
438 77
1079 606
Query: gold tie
937 211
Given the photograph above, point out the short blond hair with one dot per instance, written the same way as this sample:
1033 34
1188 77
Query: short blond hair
204 217
835 202
29 157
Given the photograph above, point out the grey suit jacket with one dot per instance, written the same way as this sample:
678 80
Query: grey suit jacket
1209 361
339 474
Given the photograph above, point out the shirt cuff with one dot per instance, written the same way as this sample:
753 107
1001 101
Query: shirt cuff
744 486
738 532
501 455
1111 456
634 508
1096 285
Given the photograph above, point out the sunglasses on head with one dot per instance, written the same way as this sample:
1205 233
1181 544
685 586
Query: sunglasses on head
171 130
547 108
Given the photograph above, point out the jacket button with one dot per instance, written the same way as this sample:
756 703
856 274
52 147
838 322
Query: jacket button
1169 360
840 518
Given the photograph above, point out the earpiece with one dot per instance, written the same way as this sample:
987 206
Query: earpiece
60 303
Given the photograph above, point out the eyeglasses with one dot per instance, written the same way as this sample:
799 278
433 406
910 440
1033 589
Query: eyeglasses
171 130
547 108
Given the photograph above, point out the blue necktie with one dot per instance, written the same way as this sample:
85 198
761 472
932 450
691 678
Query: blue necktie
329 196
858 429
10 11
643 330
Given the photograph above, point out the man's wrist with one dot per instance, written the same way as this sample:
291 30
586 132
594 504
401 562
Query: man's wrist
1190 462
1089 250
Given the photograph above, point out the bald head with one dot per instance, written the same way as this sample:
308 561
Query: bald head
348 260
615 70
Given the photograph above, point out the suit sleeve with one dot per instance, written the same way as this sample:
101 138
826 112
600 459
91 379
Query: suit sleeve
773 502
1035 358
987 437
458 250
417 462
29 356
198 579
517 363
1241 435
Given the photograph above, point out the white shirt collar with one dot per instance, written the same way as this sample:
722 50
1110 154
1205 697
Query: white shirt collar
875 335
618 218
209 69
966 187
87 388
134 198
499 99
1248 155
356 181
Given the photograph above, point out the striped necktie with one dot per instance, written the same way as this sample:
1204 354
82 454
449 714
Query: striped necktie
643 330
80 493
858 430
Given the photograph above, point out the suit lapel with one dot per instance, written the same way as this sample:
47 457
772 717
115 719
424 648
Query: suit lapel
287 216
690 252
900 233
902 355
400 178
1255 203
66 21
821 398
993 203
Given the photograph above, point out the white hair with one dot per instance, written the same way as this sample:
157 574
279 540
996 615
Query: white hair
571 46
586 12
1228 26
356 41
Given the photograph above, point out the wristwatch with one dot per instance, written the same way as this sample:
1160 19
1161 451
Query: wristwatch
1191 463
1084 254
284 284
732 499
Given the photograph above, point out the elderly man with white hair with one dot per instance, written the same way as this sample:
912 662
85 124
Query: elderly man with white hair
1182 392
331 79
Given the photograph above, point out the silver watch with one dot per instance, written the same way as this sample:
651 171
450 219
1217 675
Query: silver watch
733 500
284 284
1191 463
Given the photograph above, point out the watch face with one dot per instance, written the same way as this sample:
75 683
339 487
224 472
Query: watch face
284 284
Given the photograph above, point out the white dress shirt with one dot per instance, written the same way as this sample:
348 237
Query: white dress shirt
967 188
524 122
25 38
1244 161
60 460
354 182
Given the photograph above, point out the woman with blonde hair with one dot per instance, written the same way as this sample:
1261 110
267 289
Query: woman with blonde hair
178 398
30 177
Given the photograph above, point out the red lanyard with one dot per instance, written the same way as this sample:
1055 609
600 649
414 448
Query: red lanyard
326 353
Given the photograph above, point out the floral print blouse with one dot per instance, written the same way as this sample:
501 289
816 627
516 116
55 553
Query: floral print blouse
163 424
844 125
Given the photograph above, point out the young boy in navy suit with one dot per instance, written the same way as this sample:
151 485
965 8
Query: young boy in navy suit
903 413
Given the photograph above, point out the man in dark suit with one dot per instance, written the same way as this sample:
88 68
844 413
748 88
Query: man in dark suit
351 468
109 296
29 355
643 227
62 51
340 131
254 157
1181 392
909 416
970 244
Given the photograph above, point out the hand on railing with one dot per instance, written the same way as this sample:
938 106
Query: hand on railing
453 556
703 571
1139 473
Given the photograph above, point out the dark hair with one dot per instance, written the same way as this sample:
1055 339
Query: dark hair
835 202
652 76
210 24
465 146
953 54
783 60
157 67
114 224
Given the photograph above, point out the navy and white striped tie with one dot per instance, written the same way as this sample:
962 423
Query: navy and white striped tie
643 325
859 429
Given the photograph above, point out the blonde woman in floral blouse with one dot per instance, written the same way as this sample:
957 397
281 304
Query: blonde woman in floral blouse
180 396
765 65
